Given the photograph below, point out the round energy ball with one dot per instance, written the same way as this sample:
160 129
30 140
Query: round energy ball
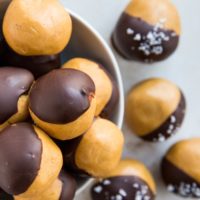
62 103
95 153
180 168
37 27
147 31
155 109
30 160
130 180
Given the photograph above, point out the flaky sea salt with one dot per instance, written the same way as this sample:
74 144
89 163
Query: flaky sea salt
122 192
98 189
106 182
129 31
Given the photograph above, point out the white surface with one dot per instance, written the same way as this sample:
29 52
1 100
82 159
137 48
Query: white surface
183 68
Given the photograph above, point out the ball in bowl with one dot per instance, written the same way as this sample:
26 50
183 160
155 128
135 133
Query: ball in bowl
63 103
37 27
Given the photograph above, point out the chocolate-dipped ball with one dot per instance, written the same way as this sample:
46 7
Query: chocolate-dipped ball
147 30
106 90
38 65
155 109
180 168
95 153
5 196
37 27
30 160
63 188
62 103
130 180
14 86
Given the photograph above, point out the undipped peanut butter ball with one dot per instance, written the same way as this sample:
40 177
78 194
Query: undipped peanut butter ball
14 87
147 30
129 180
155 109
180 168
30 160
107 94
63 188
95 153
63 103
36 27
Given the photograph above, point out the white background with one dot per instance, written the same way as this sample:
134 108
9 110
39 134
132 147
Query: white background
183 68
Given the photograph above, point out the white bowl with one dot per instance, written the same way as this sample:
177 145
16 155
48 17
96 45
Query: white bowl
87 42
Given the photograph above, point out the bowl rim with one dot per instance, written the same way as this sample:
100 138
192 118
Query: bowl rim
118 79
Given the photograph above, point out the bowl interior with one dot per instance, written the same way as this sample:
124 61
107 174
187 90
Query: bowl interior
86 42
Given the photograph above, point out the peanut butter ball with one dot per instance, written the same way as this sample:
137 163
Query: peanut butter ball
95 153
37 27
14 86
147 30
130 180
155 109
106 89
30 160
180 168
62 103
63 188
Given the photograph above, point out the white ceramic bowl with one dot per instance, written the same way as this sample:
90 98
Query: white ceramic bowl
86 42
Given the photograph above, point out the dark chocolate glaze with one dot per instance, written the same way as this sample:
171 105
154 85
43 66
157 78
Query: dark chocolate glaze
20 157
5 196
3 7
68 149
38 65
68 186
13 83
178 181
135 39
164 130
122 187
61 96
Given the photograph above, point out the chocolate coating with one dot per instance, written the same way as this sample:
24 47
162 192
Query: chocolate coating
68 187
179 182
135 39
20 157
13 83
170 126
61 96
38 65
68 149
5 196
122 187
